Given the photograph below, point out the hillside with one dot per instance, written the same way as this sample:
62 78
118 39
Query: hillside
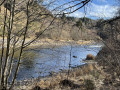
41 18
109 56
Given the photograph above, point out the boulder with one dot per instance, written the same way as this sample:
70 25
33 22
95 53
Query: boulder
75 56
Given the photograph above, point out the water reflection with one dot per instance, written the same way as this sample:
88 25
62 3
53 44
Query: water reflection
40 62
28 58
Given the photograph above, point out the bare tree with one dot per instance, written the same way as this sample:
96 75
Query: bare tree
19 17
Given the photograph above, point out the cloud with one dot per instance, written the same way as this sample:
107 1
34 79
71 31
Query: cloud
98 11
93 10
78 14
104 1
102 11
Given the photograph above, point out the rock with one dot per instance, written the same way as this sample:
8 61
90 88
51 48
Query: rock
75 56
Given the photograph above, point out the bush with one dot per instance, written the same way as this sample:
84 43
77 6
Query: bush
90 57
89 85
36 88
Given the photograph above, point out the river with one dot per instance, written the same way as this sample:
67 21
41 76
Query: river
41 61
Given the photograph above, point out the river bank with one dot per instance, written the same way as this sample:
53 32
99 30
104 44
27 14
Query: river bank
39 61
48 42
90 76
61 42
74 78
78 48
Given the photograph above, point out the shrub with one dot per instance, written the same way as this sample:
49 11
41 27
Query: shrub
36 88
89 85
90 57
69 83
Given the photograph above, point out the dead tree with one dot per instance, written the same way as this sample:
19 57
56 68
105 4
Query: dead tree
18 17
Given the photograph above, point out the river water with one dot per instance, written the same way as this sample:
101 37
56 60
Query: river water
41 61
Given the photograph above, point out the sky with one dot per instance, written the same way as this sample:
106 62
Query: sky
98 9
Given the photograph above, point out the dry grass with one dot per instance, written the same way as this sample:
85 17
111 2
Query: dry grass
77 79
90 57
